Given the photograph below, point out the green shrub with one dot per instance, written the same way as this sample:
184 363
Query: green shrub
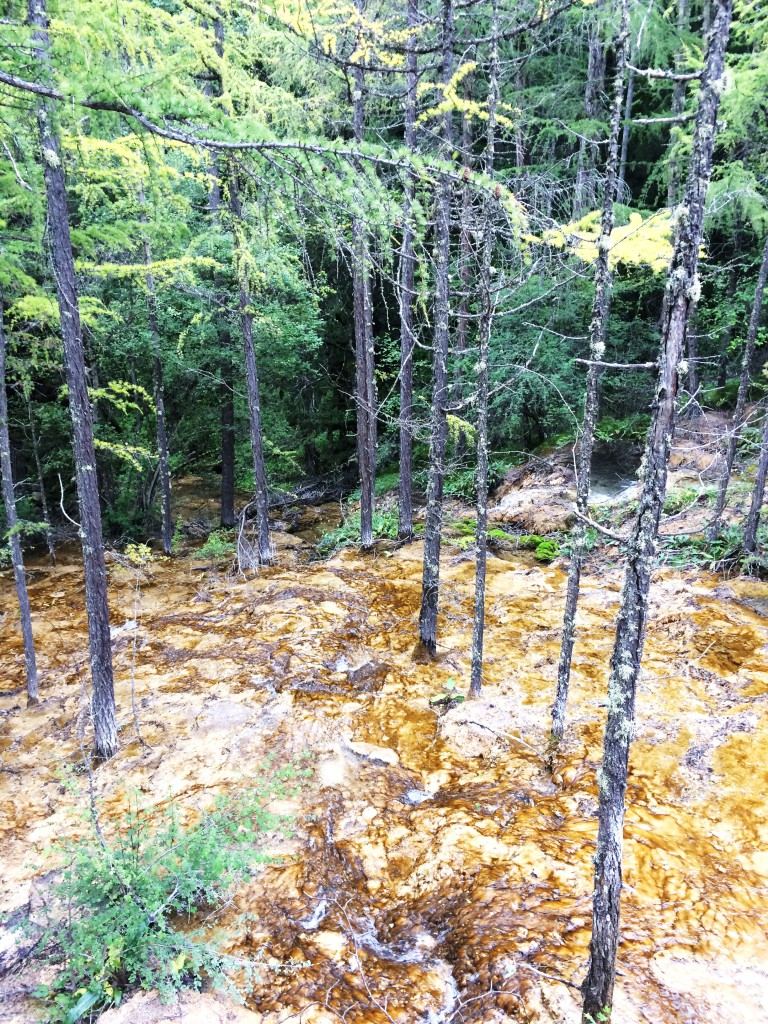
220 544
384 527
126 897
681 499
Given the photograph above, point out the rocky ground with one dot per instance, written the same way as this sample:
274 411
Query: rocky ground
439 871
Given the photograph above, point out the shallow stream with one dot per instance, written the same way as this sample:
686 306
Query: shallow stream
440 872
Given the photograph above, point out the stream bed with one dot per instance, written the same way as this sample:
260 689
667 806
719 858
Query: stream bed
439 871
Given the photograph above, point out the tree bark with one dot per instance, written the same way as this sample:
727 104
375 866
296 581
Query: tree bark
365 380
97 607
681 292
227 448
41 484
601 309
678 105
741 397
430 587
12 522
582 195
408 293
261 496
752 522
159 389
485 331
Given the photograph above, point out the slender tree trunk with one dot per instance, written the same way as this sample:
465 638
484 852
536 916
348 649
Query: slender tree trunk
430 586
251 374
752 521
365 380
601 308
11 519
682 286
97 606
733 280
628 108
41 484
227 449
485 331
465 237
408 294
582 193
519 131
159 389
678 105
741 398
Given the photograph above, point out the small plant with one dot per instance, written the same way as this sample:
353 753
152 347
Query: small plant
449 697
679 500
126 897
178 535
220 545
384 526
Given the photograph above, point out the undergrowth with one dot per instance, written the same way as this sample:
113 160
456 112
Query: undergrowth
131 899
348 533
220 544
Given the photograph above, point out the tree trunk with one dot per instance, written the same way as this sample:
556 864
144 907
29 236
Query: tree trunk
430 587
487 299
741 397
678 105
14 539
408 294
752 521
251 374
103 704
628 109
41 484
682 287
227 447
365 381
159 389
601 308
582 193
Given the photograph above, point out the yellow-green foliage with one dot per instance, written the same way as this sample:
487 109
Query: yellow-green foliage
643 241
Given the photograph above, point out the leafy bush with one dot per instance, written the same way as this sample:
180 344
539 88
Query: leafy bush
220 544
689 550
384 526
462 483
126 896
681 499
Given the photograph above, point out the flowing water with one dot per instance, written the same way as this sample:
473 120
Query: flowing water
440 871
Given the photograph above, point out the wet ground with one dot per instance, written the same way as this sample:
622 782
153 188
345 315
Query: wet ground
440 871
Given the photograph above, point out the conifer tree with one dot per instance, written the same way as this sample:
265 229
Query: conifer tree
62 259
12 522
680 295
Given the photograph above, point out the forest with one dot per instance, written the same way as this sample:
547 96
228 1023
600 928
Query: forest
383 574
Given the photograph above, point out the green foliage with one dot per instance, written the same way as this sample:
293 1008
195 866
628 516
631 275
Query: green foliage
547 551
695 550
128 895
681 499
348 533
219 546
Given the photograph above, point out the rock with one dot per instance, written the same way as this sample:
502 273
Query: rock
224 714
186 1008
538 510
383 755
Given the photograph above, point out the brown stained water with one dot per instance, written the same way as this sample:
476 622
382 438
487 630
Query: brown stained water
440 871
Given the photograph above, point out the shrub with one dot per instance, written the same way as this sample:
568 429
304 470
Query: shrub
220 544
384 526
125 898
